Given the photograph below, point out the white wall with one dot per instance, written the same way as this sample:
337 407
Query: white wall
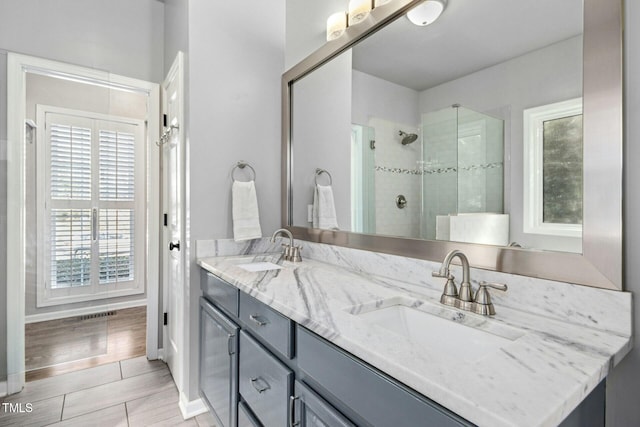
119 36
504 91
623 385
236 60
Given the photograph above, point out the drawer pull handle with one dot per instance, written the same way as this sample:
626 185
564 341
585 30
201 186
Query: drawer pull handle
231 344
292 411
259 389
258 319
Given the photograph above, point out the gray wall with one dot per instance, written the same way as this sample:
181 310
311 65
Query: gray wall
3 214
121 36
322 130
91 33
375 97
236 58
623 386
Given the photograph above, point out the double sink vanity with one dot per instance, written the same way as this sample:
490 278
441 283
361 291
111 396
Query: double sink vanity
337 342
360 332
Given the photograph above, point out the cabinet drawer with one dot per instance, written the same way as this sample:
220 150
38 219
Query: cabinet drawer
356 387
265 383
273 327
220 292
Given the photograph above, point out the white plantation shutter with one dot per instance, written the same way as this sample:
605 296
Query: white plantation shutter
70 248
117 163
92 202
70 162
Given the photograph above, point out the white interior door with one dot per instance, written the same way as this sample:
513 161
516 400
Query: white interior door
174 233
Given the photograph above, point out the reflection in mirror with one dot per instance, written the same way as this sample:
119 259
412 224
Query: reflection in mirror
462 175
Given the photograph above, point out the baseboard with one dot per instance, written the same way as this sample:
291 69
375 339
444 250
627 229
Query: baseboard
3 388
161 354
15 383
192 408
83 311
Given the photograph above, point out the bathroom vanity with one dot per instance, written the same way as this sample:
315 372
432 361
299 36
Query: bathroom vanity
320 344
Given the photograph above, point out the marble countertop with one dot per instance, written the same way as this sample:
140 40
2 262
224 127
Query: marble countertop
544 369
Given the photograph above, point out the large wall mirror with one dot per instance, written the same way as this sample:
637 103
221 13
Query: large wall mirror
496 130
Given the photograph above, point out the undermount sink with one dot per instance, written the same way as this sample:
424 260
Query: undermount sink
259 266
446 335
257 263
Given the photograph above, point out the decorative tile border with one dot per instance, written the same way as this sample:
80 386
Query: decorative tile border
418 171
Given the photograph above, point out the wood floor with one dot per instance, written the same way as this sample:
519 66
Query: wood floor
133 392
60 346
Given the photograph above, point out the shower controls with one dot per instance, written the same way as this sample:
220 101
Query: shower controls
401 201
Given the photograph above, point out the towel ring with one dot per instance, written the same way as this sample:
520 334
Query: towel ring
242 164
320 172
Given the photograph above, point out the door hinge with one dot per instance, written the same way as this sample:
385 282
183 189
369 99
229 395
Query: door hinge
166 220
166 319
164 120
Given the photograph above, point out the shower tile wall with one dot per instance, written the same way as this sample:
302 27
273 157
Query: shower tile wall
397 172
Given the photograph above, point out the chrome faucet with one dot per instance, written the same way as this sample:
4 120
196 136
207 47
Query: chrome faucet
464 299
291 252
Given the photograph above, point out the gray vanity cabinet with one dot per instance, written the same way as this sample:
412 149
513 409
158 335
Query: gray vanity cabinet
219 363
308 409
250 356
368 396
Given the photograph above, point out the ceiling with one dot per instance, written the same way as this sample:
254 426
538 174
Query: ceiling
469 36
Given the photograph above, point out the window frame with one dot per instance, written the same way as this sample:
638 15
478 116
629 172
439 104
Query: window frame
45 295
533 186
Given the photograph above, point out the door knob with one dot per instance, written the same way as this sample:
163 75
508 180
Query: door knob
173 246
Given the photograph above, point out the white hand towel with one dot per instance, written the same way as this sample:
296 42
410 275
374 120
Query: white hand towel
324 209
246 218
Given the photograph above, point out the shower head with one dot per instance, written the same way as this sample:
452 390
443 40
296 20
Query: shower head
407 138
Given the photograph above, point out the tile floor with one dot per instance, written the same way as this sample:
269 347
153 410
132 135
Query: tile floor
133 392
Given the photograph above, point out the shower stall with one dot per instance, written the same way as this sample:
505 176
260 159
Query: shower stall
411 181
463 167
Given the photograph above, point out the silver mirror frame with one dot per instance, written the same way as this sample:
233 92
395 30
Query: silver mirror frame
600 264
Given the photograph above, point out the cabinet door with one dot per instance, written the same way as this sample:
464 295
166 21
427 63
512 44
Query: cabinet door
219 364
246 418
310 410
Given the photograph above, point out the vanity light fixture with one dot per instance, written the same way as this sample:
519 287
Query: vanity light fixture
336 25
426 13
359 10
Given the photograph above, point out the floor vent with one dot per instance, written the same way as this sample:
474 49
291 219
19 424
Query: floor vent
96 315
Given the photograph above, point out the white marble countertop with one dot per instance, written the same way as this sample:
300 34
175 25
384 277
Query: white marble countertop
545 369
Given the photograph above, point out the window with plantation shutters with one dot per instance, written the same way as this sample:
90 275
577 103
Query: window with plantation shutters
90 194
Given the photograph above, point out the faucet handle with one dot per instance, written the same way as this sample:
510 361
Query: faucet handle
483 304
442 275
